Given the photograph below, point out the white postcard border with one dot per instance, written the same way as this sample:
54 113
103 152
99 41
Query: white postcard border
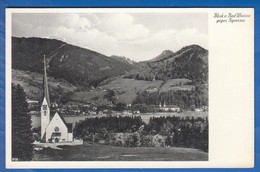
231 94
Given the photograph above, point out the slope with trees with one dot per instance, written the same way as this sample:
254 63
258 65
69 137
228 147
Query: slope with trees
74 64
21 126
191 62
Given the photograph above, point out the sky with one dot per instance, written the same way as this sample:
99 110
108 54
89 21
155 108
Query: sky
138 36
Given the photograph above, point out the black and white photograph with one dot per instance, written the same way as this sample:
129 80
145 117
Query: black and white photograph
135 88
109 86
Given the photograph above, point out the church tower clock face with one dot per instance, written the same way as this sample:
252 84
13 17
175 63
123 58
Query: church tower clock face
45 109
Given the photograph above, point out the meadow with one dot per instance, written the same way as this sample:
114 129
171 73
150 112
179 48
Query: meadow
99 152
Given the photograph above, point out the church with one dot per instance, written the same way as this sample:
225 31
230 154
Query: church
55 129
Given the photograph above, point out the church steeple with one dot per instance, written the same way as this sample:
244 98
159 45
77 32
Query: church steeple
45 83
45 108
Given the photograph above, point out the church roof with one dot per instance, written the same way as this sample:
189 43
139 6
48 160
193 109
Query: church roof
69 126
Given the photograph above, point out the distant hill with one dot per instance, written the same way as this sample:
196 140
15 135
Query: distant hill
124 59
163 55
190 62
74 64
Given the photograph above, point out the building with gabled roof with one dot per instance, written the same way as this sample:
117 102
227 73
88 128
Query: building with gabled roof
172 108
53 129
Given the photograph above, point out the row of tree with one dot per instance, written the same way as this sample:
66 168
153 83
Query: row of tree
132 131
111 123
184 99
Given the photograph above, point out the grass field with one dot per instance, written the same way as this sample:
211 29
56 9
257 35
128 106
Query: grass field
176 84
94 96
32 83
96 152
127 89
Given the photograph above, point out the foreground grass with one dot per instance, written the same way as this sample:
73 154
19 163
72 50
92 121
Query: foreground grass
97 152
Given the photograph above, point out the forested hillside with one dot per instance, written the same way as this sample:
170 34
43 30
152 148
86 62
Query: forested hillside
190 62
74 64
176 78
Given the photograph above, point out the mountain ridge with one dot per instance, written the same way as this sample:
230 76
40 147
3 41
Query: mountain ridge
75 64
74 70
164 54
190 62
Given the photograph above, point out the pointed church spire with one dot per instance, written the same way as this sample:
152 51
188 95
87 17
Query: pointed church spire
45 83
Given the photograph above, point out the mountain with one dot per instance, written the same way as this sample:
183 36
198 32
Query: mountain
72 69
190 62
124 59
75 64
164 54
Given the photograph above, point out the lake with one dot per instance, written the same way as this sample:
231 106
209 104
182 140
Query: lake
36 120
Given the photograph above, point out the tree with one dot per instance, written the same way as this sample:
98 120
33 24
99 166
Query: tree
66 97
136 139
21 126
120 106
110 96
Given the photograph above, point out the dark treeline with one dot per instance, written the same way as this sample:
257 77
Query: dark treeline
132 131
110 123
184 99
22 148
181 132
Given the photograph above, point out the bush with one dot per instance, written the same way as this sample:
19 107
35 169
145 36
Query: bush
125 139
36 137
158 141
118 139
136 139
146 140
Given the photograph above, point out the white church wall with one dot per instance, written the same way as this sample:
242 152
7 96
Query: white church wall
57 122
70 137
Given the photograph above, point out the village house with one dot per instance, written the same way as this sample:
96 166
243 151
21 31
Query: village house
32 104
152 89
90 112
29 101
136 111
167 108
126 112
